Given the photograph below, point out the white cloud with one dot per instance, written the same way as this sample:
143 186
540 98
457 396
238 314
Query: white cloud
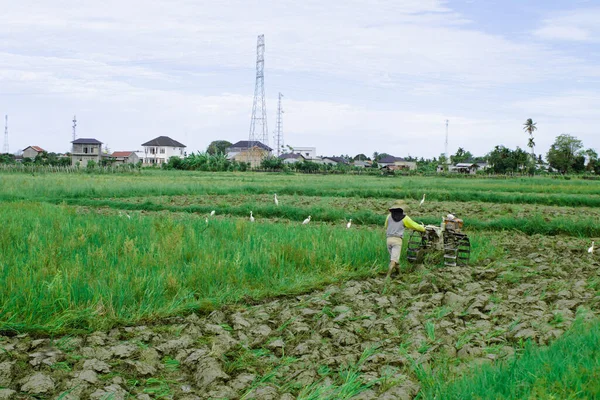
358 77
580 25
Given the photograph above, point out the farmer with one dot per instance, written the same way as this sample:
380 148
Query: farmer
395 223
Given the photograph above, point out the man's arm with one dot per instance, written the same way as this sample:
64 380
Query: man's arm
410 224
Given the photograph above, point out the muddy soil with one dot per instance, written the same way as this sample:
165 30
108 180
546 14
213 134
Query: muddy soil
292 347
466 210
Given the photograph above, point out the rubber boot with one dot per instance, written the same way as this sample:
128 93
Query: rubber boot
393 265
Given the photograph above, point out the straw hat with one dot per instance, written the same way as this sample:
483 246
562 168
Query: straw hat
398 204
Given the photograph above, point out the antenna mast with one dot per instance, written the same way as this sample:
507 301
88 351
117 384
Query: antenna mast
5 150
279 132
446 145
74 127
259 108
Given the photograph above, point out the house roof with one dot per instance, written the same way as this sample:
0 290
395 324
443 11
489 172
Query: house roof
465 164
471 164
391 159
290 155
121 153
339 160
36 148
86 141
248 144
164 141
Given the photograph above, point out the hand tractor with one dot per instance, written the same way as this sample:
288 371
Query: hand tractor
446 238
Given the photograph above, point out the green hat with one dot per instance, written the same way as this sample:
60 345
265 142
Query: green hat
398 204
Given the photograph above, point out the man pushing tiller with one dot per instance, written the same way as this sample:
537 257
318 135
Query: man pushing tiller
395 224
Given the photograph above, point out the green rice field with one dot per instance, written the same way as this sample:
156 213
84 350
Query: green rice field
83 252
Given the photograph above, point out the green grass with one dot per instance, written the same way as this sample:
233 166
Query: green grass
62 269
587 226
567 369
545 191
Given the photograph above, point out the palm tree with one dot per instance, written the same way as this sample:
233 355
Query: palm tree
529 127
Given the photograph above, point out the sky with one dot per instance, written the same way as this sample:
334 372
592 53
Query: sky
356 76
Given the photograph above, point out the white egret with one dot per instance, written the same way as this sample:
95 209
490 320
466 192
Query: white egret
206 220
591 249
128 216
422 200
251 217
276 201
212 213
349 224
306 221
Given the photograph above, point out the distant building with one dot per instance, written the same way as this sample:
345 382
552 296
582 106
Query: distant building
307 152
86 150
251 152
32 152
396 163
362 164
243 145
468 167
124 157
291 158
160 149
334 160
252 156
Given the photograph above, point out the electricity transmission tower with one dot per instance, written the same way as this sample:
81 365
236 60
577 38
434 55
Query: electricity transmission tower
279 131
258 121
74 127
5 149
446 145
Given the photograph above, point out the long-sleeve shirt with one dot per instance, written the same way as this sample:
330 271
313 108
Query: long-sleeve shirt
396 229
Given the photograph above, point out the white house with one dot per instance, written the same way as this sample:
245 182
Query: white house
160 149
306 152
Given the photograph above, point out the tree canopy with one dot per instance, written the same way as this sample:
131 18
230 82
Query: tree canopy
218 146
565 154
461 156
361 157
503 159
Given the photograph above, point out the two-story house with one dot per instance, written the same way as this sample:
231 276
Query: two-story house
85 150
160 149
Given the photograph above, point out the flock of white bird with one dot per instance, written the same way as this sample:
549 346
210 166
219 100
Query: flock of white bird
307 220
276 200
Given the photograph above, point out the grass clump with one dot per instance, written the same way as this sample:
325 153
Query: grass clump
567 369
